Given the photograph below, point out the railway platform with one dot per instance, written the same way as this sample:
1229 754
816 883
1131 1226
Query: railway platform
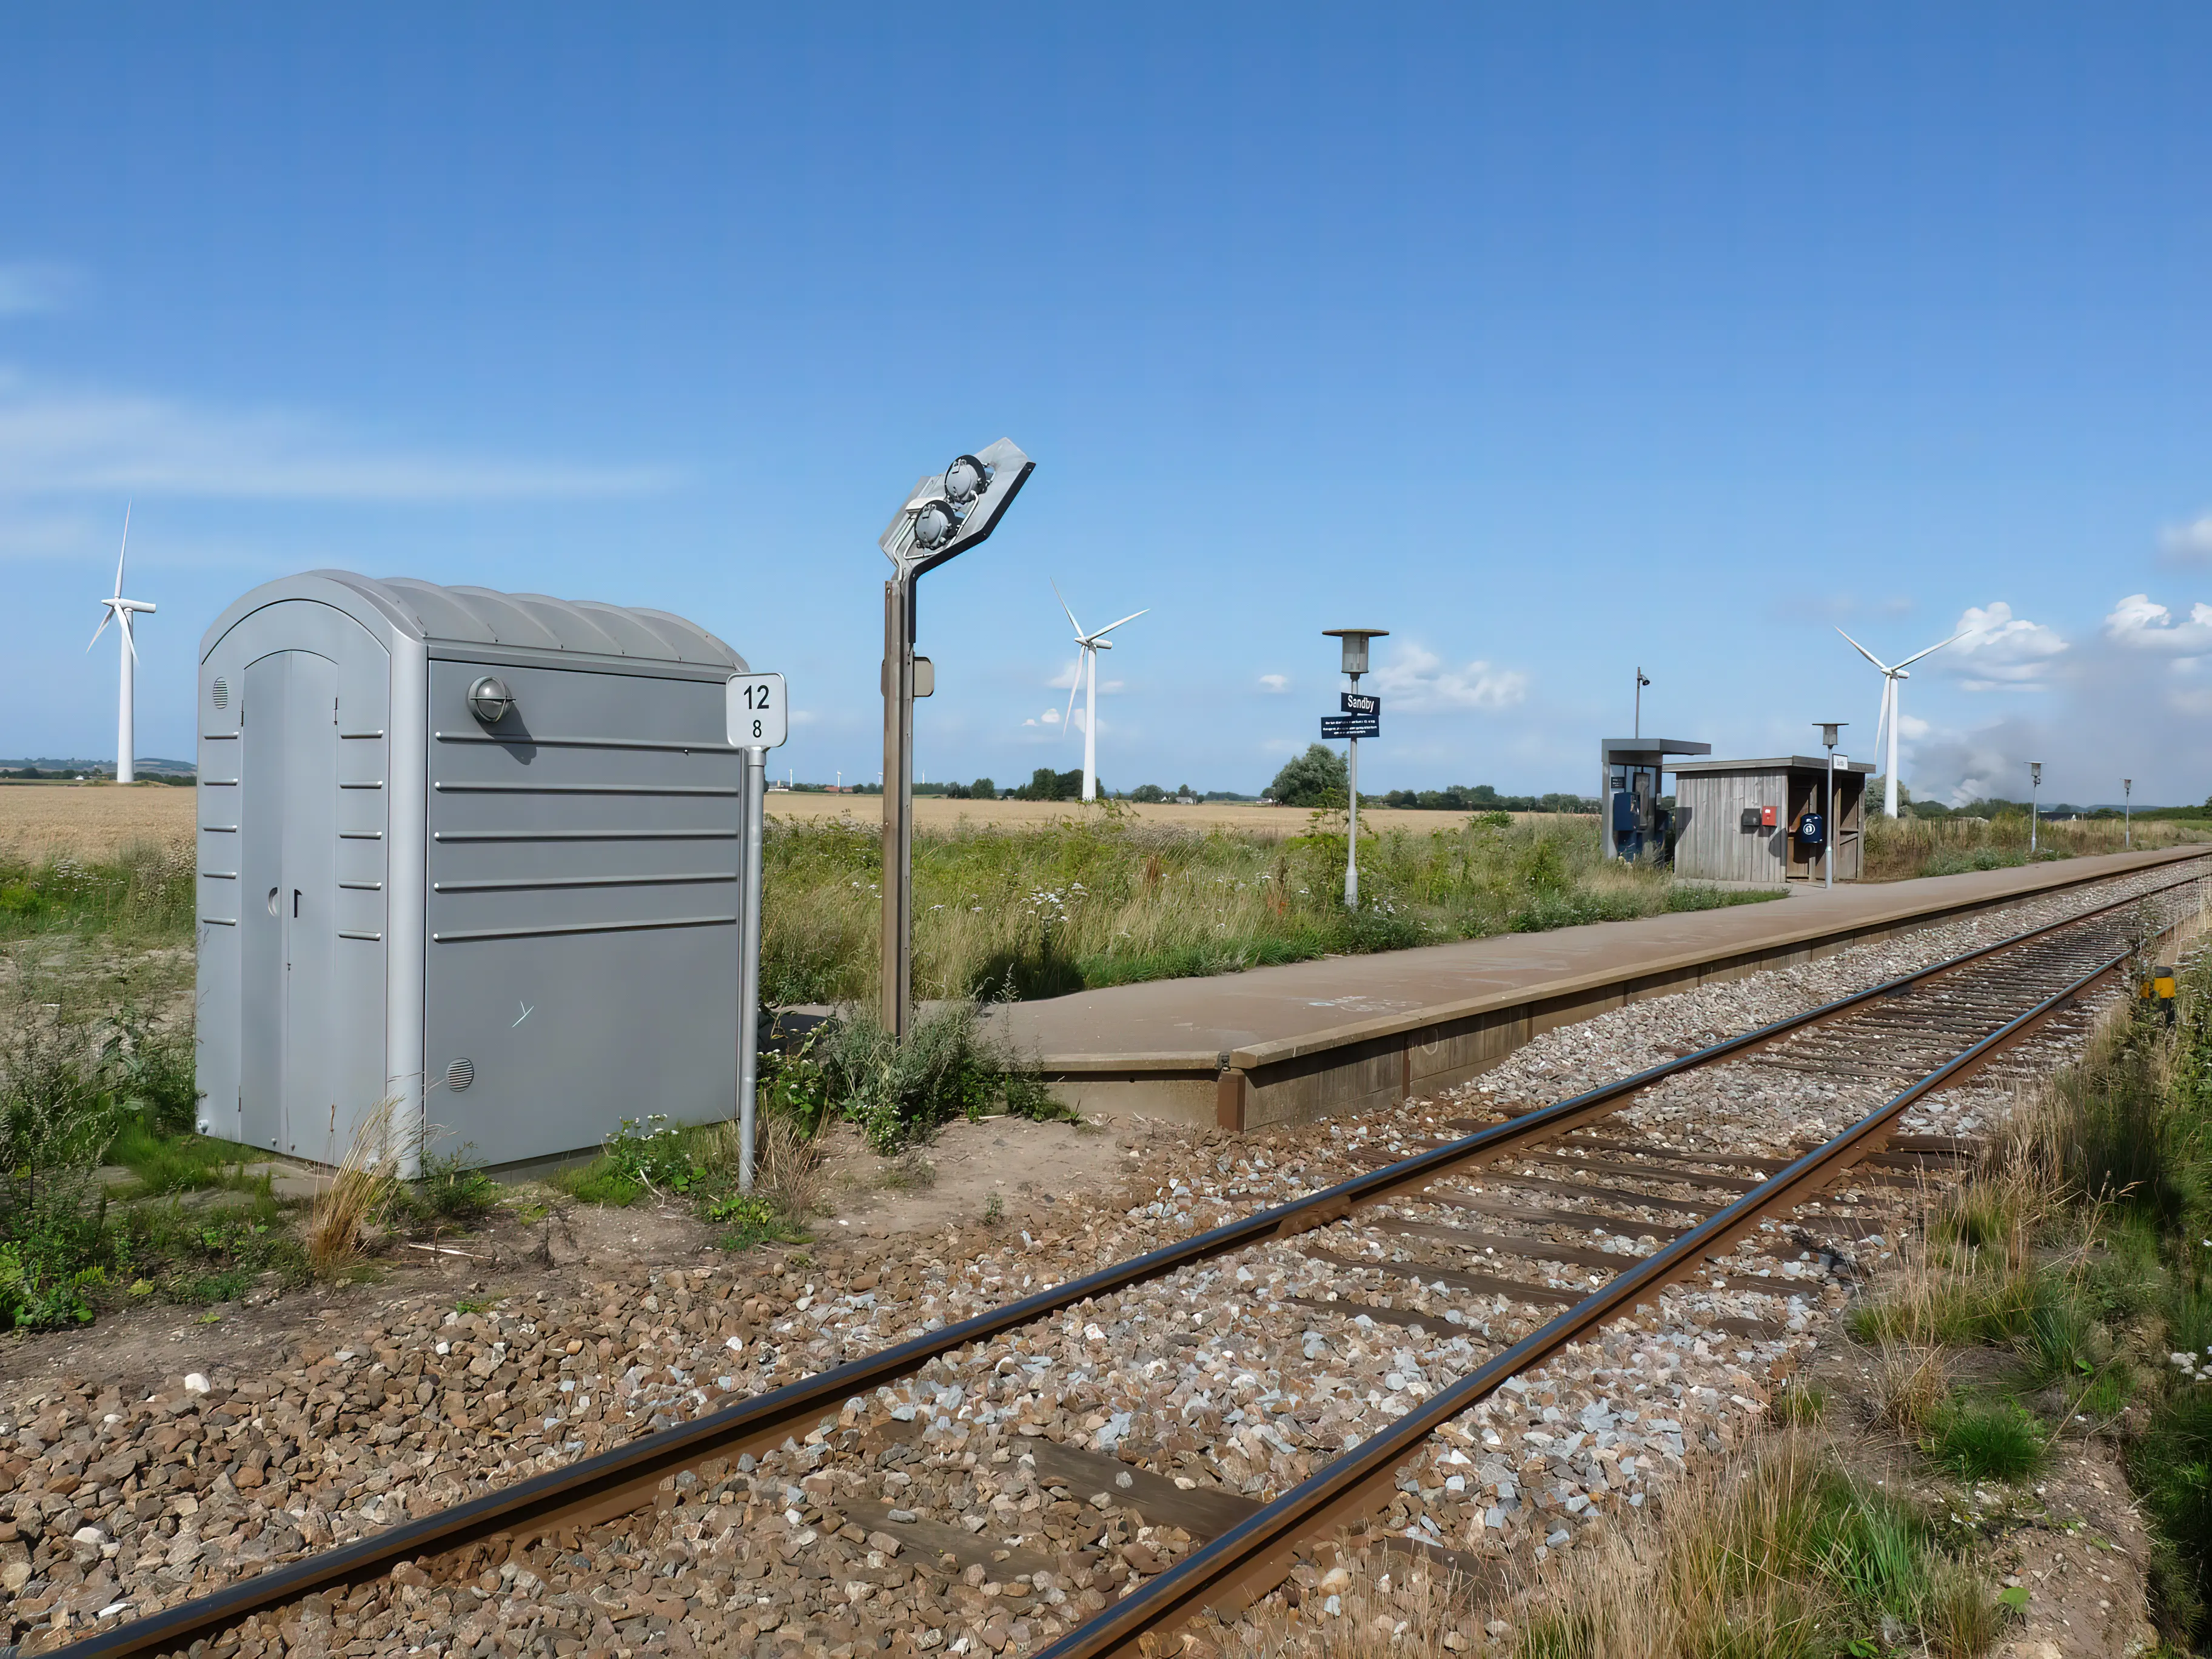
1353 1033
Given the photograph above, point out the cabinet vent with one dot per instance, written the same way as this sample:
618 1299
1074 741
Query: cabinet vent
220 692
461 1074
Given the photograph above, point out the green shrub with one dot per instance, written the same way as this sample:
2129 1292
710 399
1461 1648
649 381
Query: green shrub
452 1190
947 1067
34 1297
751 1221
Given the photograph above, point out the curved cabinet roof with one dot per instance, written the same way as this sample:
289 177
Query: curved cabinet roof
477 616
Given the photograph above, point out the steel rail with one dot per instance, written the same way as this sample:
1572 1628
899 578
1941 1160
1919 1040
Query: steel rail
626 1478
1254 1556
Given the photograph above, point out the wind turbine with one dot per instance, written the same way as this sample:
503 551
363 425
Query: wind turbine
1890 678
1087 675
119 612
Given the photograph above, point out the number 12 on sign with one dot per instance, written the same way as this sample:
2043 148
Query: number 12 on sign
760 717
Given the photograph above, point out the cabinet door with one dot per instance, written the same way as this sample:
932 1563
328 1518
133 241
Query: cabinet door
288 855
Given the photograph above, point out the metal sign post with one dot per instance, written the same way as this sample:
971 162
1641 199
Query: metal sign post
2127 810
1363 717
2034 811
759 720
944 515
1828 731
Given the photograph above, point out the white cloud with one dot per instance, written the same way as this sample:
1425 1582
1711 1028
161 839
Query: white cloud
1910 727
1066 678
2135 622
62 440
30 286
1275 683
1051 717
2000 651
2188 544
1418 682
1105 686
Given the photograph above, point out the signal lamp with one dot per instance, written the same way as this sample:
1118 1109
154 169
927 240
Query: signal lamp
934 524
965 479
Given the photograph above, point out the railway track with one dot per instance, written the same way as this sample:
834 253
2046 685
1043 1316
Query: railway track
1469 1264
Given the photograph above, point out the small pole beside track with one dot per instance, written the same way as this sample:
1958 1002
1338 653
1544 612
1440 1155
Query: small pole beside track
759 720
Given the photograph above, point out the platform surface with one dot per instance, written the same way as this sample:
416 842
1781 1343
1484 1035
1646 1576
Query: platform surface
1195 1021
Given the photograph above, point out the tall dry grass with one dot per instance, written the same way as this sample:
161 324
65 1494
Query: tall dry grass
360 1192
1898 849
1110 898
1774 1553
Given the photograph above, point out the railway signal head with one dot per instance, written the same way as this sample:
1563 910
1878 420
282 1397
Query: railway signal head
2035 773
950 511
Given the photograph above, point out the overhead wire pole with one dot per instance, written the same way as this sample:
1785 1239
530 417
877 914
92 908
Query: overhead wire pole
944 515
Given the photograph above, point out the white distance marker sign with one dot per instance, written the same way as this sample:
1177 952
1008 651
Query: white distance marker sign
759 717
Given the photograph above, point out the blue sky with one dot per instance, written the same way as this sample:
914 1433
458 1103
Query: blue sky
1556 340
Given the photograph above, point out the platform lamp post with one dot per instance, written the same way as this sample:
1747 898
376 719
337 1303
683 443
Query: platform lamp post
2127 811
944 515
1641 682
1354 641
1829 729
2034 789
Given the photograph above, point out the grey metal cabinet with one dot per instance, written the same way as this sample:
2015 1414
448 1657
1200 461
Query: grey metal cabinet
515 916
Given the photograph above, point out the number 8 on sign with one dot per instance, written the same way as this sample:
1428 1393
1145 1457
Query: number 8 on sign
759 718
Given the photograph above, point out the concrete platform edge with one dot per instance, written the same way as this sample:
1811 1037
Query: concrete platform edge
1371 1065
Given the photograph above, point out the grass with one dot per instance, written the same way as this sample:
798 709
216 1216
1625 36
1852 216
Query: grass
1779 1551
360 1194
1108 899
144 896
2085 1253
1898 849
1997 1440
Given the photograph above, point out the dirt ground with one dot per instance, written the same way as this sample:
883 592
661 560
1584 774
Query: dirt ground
98 820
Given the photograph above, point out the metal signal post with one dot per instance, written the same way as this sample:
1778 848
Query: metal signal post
944 515
1355 664
759 720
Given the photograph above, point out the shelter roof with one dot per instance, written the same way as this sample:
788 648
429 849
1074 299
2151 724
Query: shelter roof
1773 763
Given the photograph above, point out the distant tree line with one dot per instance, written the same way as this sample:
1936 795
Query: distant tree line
1481 797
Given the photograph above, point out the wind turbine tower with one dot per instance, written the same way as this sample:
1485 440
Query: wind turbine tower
1891 677
1086 675
119 610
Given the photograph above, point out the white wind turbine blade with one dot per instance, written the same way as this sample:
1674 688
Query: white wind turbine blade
1868 655
1882 721
1067 720
130 642
1071 623
1111 626
122 551
107 617
1916 655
